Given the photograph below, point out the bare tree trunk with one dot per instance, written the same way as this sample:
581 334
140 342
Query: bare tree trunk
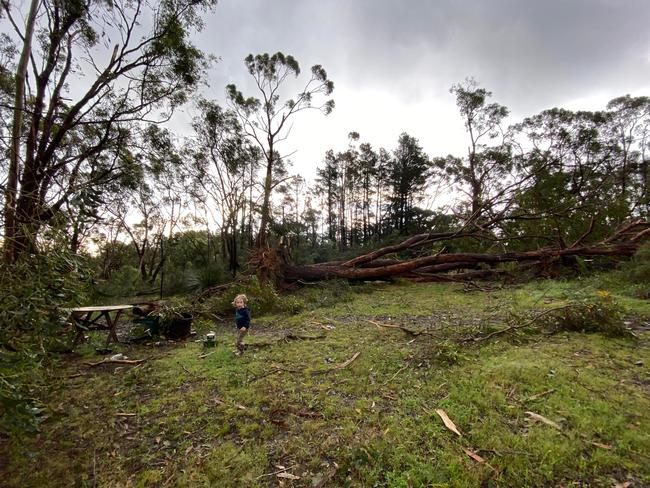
250 211
268 181
11 190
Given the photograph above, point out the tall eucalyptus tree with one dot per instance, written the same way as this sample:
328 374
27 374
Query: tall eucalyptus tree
265 119
95 70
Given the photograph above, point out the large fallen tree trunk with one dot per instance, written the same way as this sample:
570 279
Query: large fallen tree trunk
443 267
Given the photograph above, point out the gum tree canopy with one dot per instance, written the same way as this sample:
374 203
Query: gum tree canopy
90 74
264 119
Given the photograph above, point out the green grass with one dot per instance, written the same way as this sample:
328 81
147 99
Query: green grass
224 420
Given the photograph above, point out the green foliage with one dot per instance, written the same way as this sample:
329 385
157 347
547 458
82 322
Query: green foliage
637 272
181 280
591 313
447 353
262 298
174 320
407 176
123 282
34 291
19 410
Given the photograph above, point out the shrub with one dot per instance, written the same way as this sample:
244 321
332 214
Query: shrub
122 283
593 313
637 272
212 274
638 268
262 298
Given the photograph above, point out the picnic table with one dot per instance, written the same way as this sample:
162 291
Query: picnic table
88 318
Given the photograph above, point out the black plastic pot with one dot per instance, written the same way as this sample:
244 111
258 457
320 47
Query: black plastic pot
180 327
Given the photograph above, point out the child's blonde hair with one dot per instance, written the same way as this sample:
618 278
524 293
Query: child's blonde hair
242 296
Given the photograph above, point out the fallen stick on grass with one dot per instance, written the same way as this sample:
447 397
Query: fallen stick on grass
338 367
275 472
539 418
540 395
116 361
413 333
191 373
273 371
345 364
396 373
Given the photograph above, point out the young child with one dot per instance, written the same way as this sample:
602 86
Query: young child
242 320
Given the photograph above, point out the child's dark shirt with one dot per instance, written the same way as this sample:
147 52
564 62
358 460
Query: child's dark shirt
242 317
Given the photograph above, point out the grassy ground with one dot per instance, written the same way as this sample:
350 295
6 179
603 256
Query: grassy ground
293 411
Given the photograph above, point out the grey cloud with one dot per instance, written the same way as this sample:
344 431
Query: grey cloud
531 54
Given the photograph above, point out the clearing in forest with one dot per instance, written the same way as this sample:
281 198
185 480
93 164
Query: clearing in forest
382 385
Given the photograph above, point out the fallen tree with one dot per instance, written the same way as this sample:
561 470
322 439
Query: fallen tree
274 263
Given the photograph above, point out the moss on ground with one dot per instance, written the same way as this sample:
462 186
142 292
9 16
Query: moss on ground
284 408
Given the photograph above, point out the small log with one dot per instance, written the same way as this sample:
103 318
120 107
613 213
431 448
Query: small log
143 309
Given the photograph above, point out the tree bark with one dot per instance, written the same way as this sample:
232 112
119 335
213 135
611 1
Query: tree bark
268 182
623 243
13 175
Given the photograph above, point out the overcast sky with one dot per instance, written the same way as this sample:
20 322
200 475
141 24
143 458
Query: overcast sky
393 62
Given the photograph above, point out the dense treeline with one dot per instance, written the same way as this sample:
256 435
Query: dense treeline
547 180
145 202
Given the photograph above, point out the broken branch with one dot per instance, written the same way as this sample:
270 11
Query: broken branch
116 361
338 367
414 333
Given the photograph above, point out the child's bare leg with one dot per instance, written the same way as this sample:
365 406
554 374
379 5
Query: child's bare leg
240 338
